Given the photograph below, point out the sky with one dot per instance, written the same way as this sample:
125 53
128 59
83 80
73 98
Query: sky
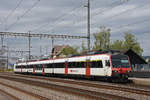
69 17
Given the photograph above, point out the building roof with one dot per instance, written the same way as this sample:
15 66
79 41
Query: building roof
134 57
57 49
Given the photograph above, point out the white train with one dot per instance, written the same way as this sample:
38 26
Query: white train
91 66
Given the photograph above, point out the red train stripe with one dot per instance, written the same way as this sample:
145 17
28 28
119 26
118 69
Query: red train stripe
66 68
87 69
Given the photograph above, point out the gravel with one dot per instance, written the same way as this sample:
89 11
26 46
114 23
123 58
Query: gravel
51 94
55 95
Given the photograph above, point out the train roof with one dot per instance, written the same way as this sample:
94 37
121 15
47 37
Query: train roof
77 58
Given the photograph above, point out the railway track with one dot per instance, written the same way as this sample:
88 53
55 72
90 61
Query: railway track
12 95
125 89
71 90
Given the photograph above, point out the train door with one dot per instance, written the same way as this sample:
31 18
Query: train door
66 68
106 64
43 70
87 68
33 69
21 69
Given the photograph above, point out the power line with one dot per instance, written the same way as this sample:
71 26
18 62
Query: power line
119 14
131 24
11 13
20 17
57 19
112 4
117 3
55 25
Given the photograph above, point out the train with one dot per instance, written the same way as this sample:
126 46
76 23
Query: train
112 67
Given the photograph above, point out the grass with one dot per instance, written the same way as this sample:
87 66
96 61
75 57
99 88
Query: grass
6 70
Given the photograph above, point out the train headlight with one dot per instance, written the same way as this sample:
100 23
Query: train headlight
115 71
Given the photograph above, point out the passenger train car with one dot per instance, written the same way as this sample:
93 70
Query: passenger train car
106 66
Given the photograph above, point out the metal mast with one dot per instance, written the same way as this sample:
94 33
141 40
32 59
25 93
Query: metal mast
29 45
88 6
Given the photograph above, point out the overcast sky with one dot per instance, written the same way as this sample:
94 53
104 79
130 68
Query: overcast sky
70 17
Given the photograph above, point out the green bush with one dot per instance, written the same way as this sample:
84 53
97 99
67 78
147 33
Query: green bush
148 60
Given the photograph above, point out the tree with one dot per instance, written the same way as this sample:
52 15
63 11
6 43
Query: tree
102 39
117 45
70 51
131 43
148 60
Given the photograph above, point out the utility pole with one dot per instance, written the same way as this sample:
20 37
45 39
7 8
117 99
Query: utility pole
88 26
40 51
52 42
29 38
2 41
7 55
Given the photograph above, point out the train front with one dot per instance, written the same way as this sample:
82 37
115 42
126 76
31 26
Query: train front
121 68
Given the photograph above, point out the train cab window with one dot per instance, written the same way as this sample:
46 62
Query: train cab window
107 63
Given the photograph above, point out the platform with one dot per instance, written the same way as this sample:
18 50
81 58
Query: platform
141 81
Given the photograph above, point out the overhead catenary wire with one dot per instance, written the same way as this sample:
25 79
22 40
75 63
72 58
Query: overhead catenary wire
20 17
57 24
132 24
56 19
11 13
124 12
113 4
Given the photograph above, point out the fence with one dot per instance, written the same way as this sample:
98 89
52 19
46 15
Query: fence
141 68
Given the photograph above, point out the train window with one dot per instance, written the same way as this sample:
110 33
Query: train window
96 64
31 66
93 64
59 65
74 64
82 64
63 65
69 64
44 65
49 65
107 63
38 67
99 64
17 67
78 64
23 66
